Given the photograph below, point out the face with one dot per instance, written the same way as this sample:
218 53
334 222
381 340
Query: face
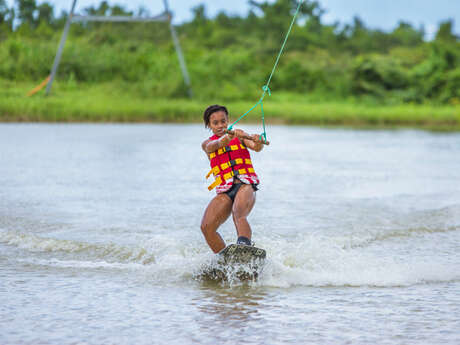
218 123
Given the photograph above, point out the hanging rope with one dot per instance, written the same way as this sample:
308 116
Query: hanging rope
266 88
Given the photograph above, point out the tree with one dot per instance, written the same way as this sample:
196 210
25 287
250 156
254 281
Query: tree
406 35
102 10
200 25
120 11
6 19
277 15
26 11
3 11
199 15
445 32
45 13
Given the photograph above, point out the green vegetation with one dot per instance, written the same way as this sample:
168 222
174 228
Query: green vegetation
329 75
106 102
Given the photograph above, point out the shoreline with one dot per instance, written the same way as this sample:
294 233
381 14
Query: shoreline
106 103
351 126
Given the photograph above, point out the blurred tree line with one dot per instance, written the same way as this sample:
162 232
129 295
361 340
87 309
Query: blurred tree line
231 56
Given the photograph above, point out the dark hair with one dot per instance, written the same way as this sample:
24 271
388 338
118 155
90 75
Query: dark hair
211 110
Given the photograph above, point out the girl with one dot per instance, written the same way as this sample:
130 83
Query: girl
235 179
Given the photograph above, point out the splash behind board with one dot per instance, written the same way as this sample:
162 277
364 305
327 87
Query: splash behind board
236 261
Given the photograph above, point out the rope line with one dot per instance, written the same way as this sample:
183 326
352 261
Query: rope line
266 88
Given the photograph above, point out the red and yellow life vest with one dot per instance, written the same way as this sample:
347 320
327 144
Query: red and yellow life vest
229 161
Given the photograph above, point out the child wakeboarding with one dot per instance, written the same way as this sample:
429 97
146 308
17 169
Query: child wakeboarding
235 179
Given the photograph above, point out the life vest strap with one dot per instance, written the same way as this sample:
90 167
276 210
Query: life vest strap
224 149
213 185
234 173
229 164
214 171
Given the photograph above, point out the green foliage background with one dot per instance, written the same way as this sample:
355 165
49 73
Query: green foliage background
230 57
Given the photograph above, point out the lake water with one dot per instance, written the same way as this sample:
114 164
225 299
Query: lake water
100 240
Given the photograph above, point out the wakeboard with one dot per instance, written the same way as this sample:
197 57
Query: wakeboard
236 261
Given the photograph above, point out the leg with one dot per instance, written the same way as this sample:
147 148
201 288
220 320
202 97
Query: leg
242 206
216 214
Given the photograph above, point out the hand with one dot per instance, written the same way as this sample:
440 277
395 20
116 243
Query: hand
256 138
240 134
231 135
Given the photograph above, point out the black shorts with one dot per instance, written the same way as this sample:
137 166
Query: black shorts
235 188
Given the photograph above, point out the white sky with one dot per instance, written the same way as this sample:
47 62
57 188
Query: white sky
382 14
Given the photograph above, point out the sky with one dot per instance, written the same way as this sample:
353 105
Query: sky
381 14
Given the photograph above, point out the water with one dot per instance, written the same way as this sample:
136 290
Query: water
100 240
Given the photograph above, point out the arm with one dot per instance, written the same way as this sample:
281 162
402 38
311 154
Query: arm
209 146
252 142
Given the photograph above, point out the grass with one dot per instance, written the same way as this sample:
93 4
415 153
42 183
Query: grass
118 103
